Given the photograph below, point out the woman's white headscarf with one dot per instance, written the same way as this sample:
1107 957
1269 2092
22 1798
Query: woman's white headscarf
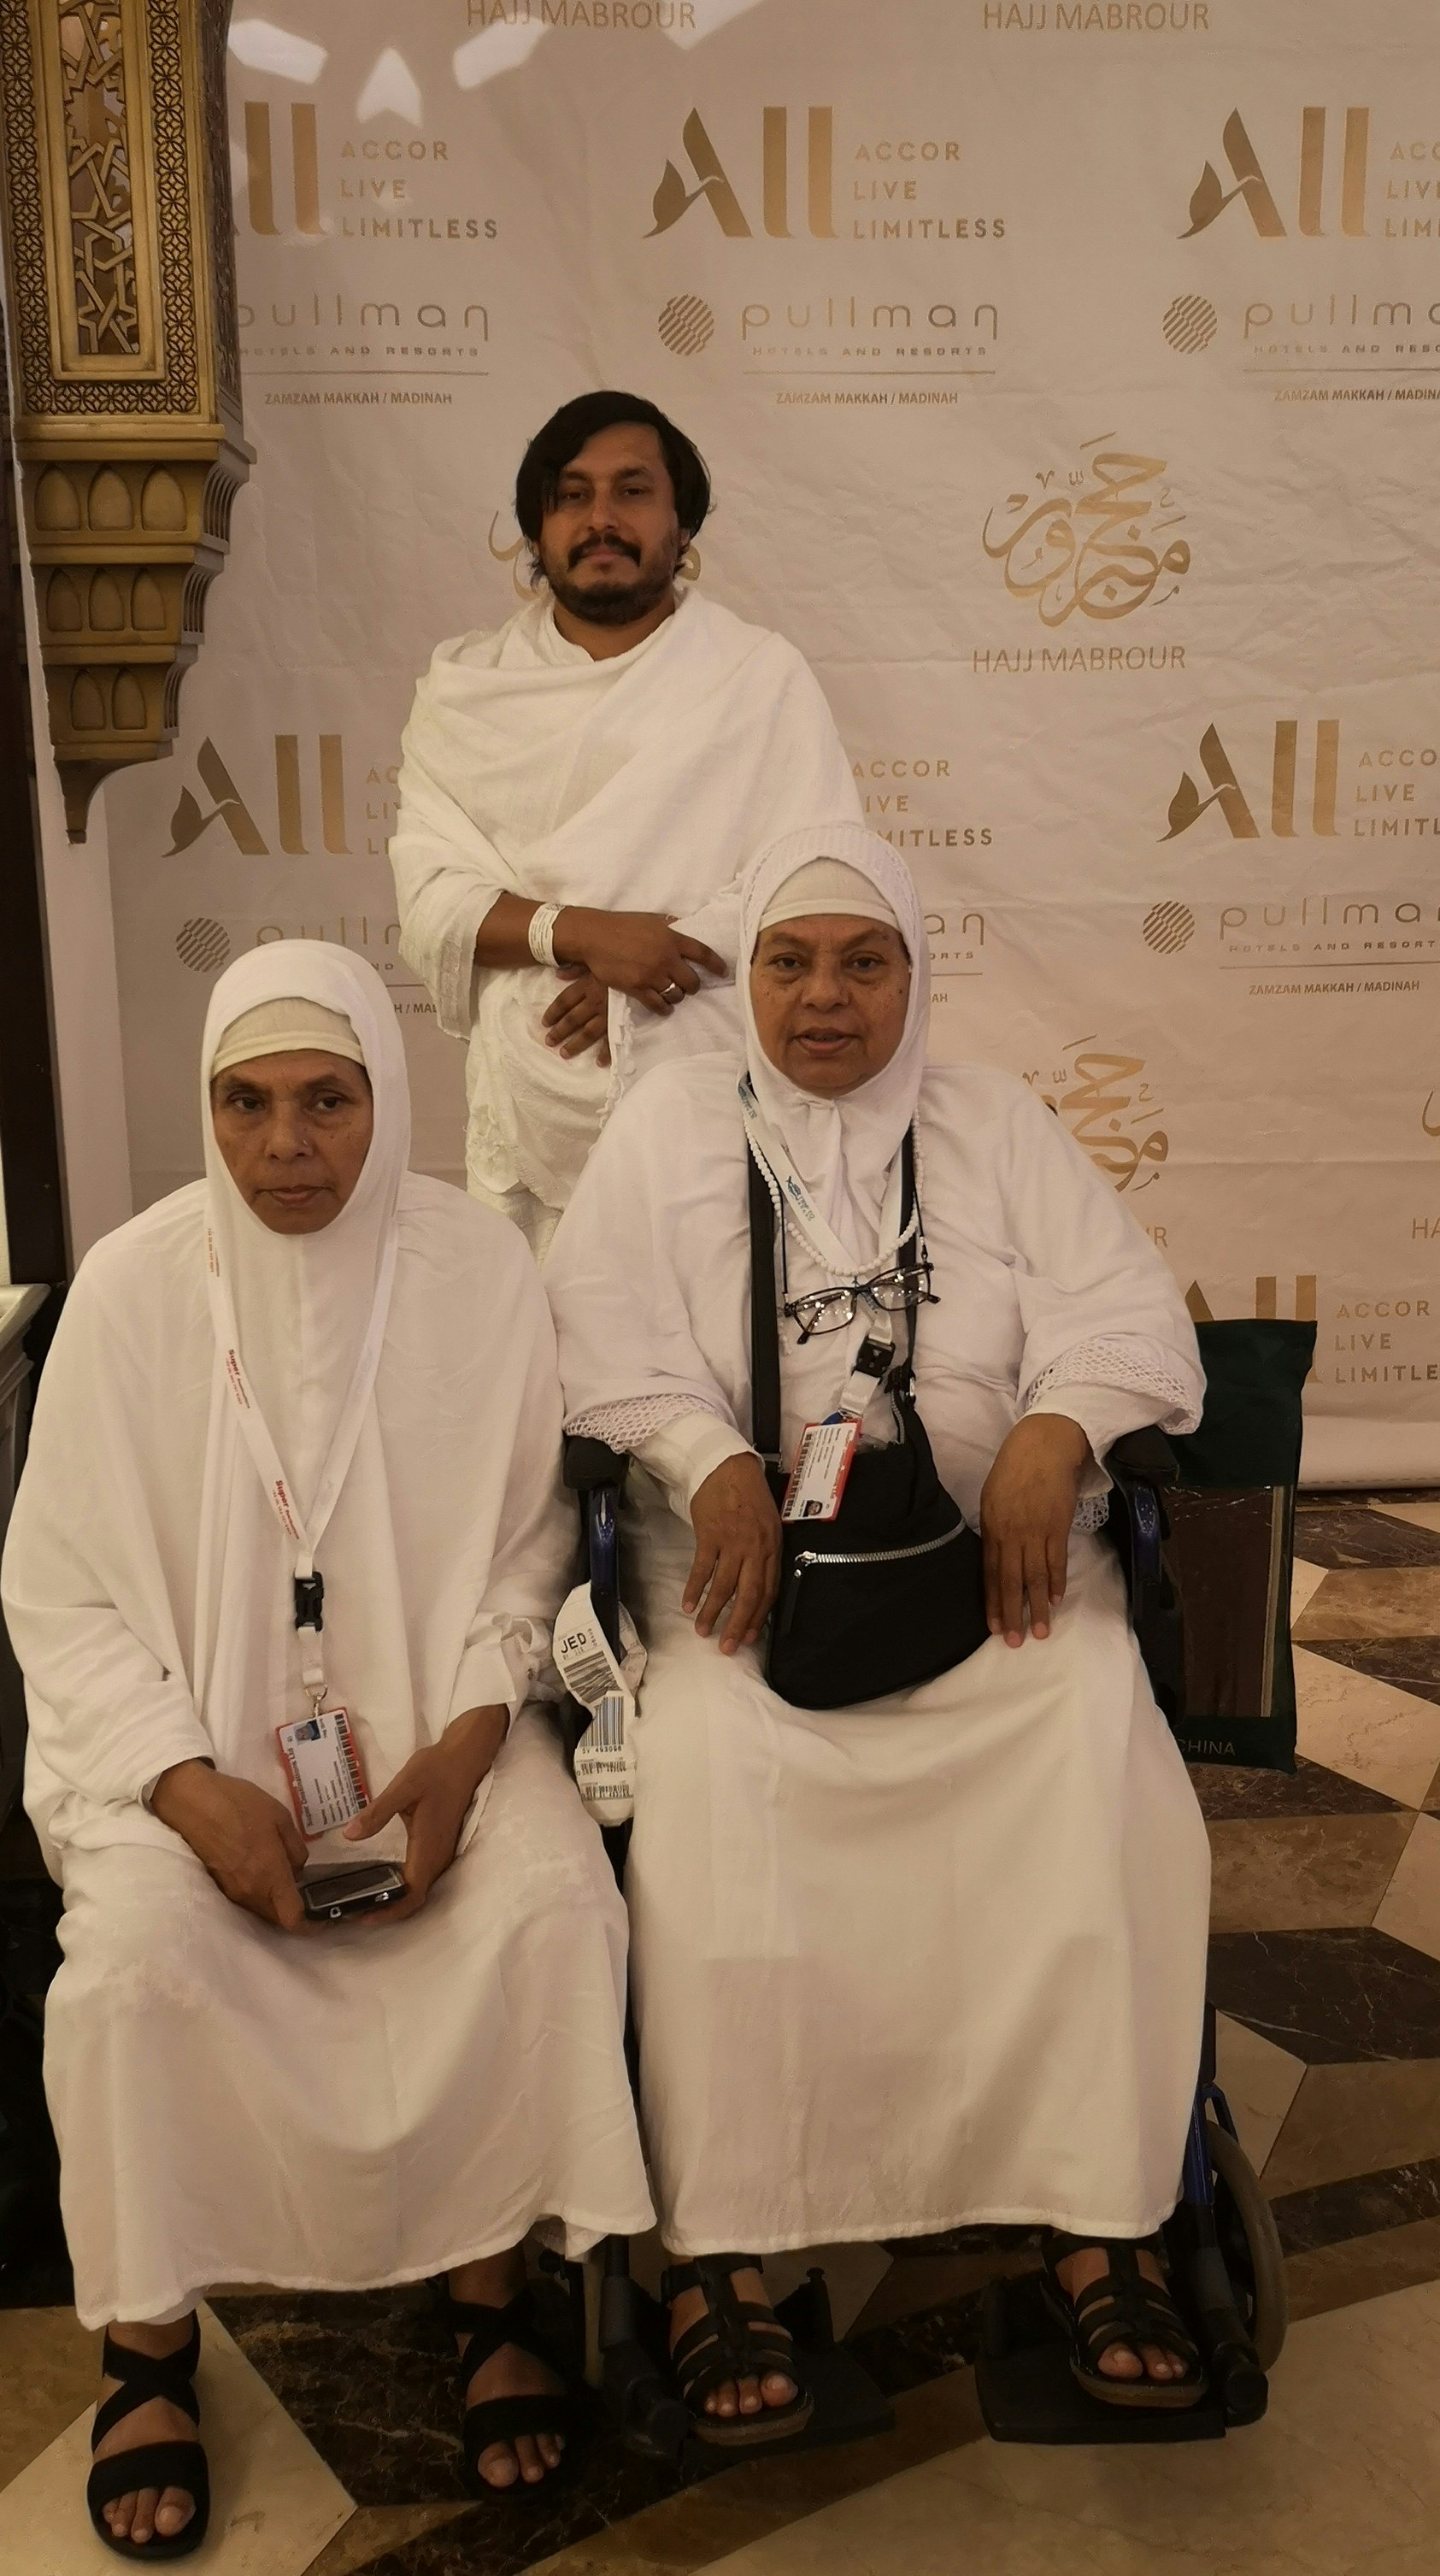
843 1149
303 1303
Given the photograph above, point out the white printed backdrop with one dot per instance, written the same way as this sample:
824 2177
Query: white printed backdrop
1065 368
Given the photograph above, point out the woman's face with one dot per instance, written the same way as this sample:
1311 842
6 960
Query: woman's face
830 995
294 1130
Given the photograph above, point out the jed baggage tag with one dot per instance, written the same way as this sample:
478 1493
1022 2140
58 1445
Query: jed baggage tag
327 1783
605 1754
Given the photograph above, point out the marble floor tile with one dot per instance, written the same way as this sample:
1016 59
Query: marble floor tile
706 2524
1330 1996
1366 1729
1364 2267
916 2283
1410 1908
1230 1791
1422 1512
49 2370
1305 1581
1409 1663
1398 1601
1364 2205
1343 2477
377 2531
1350 1534
1348 2120
1303 1872
1258 2080
275 2502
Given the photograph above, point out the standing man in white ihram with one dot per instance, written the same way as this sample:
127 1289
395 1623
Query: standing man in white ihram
577 788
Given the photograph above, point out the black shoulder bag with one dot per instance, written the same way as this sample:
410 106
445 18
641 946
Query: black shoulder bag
891 1592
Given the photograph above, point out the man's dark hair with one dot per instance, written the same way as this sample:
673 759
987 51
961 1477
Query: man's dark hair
566 432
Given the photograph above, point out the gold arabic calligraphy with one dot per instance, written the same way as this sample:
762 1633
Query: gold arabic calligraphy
1107 1089
1091 548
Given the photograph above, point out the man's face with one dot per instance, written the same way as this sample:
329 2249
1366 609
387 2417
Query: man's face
610 541
830 995
294 1130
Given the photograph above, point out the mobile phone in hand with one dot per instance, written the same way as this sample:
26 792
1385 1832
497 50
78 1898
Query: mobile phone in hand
329 1895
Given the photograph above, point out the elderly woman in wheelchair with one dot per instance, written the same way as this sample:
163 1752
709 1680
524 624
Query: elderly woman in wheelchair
918 1886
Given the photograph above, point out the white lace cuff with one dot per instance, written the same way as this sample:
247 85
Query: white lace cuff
625 1425
1132 1369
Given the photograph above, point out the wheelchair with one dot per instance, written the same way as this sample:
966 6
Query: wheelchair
1223 2251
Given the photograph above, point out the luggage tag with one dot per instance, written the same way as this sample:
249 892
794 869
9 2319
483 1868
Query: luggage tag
605 1754
327 1783
827 1449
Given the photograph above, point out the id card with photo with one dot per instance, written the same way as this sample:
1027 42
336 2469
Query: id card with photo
327 1783
822 1466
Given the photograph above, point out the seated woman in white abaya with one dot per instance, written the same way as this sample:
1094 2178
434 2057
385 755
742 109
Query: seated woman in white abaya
311 1359
938 1959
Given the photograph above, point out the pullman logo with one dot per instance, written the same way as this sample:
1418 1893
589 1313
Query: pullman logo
686 325
1211 196
1190 323
202 945
187 823
673 198
260 169
1187 804
1167 928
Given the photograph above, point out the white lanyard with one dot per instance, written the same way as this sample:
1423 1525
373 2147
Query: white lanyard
822 1239
309 1590
875 1349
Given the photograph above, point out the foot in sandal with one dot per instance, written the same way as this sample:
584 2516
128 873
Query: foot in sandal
735 2363
1129 2344
144 2430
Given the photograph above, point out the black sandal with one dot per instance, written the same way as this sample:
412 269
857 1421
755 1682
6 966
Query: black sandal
150 2464
1121 2307
499 2419
735 2339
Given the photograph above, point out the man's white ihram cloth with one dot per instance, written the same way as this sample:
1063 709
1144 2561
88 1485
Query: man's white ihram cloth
937 1961
367 2103
640 784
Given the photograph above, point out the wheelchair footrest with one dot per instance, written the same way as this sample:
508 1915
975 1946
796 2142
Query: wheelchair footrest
1027 2391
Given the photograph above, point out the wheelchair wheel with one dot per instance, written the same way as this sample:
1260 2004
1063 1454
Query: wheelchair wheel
1250 2244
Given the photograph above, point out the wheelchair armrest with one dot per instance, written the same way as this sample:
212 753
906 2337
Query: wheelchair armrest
588 1463
1142 1458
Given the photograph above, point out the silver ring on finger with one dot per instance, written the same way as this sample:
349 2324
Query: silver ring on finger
674 993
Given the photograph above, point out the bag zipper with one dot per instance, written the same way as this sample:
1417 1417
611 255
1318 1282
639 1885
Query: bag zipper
876 1555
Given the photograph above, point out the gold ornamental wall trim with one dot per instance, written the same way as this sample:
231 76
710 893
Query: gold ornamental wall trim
120 288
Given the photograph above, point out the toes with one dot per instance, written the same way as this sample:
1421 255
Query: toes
776 2389
174 2510
499 2466
1121 2363
724 2400
143 2526
532 2467
551 2446
1160 2364
751 2400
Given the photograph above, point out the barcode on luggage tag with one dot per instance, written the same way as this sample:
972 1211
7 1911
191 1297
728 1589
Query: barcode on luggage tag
590 1679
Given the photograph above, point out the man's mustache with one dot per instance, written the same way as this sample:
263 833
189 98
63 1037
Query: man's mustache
612 545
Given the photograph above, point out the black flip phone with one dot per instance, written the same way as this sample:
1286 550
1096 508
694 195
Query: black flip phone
330 1894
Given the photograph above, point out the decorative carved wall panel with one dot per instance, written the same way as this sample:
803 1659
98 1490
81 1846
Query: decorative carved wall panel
119 250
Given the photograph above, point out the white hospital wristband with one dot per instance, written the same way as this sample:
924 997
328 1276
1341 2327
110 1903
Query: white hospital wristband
542 933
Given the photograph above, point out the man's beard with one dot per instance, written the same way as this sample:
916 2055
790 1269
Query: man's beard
620 601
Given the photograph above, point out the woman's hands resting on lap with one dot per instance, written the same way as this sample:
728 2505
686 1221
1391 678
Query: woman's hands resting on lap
252 1846
737 1553
1026 1510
